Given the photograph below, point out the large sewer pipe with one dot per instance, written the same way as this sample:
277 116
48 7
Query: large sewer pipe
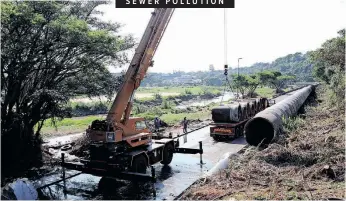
267 124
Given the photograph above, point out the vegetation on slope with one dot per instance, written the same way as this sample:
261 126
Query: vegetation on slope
307 162
297 64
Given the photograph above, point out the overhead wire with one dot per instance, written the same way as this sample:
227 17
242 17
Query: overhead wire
225 35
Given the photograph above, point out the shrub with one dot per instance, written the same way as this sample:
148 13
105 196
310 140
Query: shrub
292 123
188 92
157 96
166 105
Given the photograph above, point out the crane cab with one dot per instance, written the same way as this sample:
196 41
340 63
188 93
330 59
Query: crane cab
134 132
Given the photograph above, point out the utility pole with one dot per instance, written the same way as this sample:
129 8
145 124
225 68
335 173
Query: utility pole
238 77
238 65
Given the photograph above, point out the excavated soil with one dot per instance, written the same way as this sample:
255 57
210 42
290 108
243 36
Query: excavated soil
306 163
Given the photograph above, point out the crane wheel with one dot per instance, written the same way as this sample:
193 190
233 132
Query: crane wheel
167 154
107 185
139 164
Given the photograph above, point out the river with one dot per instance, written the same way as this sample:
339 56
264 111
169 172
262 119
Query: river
203 102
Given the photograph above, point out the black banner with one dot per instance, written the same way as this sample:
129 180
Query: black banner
174 3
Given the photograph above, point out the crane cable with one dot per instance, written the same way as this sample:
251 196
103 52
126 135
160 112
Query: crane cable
225 38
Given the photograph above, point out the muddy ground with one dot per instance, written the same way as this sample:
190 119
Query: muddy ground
307 162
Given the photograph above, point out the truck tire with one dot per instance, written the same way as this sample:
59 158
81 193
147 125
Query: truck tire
167 154
139 164
216 138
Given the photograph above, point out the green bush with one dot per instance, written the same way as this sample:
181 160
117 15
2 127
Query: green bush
188 92
83 109
292 123
157 96
167 105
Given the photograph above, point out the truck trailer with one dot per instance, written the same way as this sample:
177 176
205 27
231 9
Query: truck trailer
229 120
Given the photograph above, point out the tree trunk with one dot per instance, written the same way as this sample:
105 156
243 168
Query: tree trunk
19 148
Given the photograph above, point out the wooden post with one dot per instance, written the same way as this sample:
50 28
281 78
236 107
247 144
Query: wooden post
178 141
201 152
63 165
153 176
63 172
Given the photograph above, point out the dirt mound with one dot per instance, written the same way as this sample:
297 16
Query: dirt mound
81 147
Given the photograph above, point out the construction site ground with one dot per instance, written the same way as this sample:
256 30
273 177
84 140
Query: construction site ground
186 169
306 162
172 180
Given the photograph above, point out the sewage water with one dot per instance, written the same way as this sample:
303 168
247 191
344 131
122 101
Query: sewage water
171 180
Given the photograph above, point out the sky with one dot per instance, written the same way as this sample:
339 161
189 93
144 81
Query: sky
258 31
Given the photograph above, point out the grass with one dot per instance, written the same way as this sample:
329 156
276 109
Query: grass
292 123
308 162
166 111
80 124
68 125
177 118
265 92
195 90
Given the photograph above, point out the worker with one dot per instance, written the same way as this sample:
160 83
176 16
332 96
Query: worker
157 124
184 123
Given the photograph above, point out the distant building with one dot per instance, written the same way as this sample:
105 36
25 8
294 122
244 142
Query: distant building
211 67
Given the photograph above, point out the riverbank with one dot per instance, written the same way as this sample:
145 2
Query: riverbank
308 162
170 116
192 102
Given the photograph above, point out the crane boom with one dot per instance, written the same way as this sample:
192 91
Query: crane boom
139 65
119 128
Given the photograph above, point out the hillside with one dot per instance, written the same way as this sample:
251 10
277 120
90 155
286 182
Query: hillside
293 64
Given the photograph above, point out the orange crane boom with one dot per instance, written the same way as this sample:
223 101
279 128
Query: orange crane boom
139 64
118 122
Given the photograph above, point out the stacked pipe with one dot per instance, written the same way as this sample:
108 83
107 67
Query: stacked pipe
238 111
266 125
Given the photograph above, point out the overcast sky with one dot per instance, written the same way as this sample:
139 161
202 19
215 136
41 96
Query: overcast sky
258 31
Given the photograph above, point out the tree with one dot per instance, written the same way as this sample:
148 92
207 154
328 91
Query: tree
51 51
264 77
245 84
239 83
253 82
275 79
329 65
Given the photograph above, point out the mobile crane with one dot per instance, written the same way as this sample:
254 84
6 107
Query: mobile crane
124 144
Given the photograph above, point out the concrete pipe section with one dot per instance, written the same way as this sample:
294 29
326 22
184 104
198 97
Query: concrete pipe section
266 125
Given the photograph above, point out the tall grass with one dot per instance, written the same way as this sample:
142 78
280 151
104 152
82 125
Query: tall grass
195 90
291 124
265 92
68 125
177 118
